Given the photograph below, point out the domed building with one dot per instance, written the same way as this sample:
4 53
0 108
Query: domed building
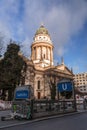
42 48
41 73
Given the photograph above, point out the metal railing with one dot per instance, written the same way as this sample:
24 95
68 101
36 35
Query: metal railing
52 107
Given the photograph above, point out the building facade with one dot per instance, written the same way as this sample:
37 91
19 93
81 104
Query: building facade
41 72
80 81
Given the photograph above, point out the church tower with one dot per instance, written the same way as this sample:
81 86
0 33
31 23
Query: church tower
42 48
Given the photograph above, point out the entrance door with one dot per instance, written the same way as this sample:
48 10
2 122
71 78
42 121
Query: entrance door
38 95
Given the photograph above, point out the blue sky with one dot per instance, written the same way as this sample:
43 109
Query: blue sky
66 21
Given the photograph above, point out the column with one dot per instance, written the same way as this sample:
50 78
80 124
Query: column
46 53
41 53
50 56
33 54
36 54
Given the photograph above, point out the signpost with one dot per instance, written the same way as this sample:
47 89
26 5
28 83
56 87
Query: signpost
66 86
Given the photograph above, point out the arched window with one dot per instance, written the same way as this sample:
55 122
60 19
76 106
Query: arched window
38 84
44 56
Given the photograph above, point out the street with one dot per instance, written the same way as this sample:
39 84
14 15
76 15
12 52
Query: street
71 122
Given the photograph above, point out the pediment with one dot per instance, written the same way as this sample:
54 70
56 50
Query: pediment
64 69
61 67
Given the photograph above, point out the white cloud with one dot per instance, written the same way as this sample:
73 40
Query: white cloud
4 30
63 20
76 69
8 11
5 34
26 47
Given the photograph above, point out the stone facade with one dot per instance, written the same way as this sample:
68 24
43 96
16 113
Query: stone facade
80 81
40 69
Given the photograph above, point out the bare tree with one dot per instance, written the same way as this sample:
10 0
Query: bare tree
50 86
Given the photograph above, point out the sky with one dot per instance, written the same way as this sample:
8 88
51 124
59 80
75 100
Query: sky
66 21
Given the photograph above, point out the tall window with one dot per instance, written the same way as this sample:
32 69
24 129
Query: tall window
44 56
38 85
38 95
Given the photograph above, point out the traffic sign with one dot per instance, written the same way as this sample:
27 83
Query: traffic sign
64 86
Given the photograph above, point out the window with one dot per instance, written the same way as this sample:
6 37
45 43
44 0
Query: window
44 56
38 84
38 95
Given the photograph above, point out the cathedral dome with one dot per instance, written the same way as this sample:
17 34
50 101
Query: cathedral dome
42 30
42 36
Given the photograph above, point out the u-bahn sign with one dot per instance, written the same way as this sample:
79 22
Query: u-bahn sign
22 94
64 86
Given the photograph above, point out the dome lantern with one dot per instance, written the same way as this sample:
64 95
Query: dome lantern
42 35
42 30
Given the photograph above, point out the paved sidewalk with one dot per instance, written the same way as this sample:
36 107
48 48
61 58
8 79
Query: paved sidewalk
7 124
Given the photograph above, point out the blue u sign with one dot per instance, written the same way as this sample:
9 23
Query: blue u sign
64 86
